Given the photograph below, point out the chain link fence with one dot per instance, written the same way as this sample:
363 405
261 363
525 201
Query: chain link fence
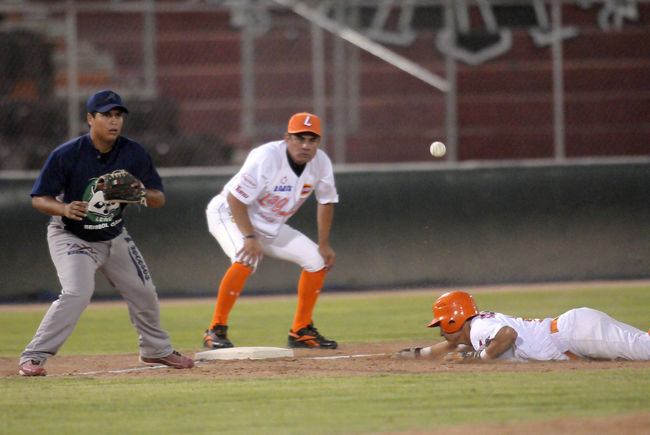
206 80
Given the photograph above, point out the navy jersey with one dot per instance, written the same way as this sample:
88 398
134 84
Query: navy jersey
70 174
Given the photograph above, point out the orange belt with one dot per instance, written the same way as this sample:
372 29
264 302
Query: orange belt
568 352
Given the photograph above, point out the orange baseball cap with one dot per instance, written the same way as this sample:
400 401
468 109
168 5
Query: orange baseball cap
304 122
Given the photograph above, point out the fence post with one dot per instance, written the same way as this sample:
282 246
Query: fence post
558 82
74 125
451 96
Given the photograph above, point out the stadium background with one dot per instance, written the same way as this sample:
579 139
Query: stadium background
548 166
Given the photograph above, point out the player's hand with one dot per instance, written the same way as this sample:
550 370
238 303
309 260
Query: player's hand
75 210
251 253
463 357
408 353
328 255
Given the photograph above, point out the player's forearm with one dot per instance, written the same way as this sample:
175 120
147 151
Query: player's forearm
48 205
437 351
53 207
155 198
324 218
239 212
503 340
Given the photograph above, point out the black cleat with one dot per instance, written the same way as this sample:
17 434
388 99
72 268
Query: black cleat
217 338
310 338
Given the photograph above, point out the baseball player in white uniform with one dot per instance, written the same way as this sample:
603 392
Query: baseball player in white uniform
579 334
248 219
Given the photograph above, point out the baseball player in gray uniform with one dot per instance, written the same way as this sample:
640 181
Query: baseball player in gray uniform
248 219
580 333
87 234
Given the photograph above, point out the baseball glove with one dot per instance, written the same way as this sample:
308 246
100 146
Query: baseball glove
121 186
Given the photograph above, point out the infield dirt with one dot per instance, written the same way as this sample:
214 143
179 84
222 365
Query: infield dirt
348 360
354 360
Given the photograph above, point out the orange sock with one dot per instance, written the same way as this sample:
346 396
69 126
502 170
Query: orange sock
309 288
231 286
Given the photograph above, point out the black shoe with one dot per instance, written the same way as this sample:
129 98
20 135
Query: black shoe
217 338
310 338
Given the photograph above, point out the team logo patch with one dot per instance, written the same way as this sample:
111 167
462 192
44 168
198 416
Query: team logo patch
306 189
99 210
75 249
111 97
282 189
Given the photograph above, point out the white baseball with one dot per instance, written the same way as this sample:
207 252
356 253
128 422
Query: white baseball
437 149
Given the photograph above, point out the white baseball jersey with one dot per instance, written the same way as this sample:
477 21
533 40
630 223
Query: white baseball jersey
585 332
533 341
272 190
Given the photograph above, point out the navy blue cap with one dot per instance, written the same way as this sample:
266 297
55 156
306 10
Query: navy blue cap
104 101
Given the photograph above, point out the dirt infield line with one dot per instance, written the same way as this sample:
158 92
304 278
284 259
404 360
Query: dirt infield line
201 363
349 356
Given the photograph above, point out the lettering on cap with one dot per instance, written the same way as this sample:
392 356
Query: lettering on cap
304 122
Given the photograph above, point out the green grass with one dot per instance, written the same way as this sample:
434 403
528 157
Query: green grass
314 405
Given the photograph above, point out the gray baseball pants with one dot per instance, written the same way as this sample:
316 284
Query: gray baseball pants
76 262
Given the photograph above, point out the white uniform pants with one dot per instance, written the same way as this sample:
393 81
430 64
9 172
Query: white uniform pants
590 333
76 262
290 244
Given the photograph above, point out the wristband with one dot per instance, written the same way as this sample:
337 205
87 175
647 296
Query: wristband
251 236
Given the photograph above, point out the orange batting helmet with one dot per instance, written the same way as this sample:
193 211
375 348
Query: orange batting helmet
452 309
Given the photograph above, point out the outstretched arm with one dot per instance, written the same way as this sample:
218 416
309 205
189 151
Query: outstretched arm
436 351
502 341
